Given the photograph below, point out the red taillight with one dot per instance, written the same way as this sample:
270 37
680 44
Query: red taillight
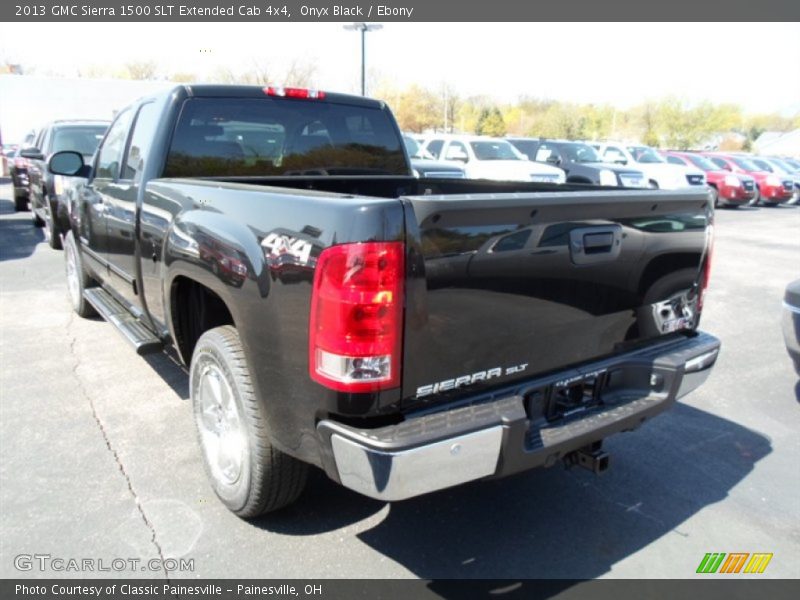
290 92
706 274
355 329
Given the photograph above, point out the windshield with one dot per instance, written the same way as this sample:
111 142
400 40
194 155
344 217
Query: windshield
792 163
83 139
645 155
527 147
415 150
745 164
494 150
763 165
581 153
273 137
703 163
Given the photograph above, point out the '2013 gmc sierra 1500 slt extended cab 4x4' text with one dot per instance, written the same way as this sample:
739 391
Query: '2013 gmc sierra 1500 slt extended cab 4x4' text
402 334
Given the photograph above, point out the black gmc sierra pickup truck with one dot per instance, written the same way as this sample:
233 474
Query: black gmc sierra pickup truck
403 334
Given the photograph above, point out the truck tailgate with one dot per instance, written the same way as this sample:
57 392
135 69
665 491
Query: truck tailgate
504 287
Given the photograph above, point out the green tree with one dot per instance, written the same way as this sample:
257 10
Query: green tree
491 123
416 109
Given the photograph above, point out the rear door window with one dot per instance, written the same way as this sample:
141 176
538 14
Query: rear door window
110 158
144 130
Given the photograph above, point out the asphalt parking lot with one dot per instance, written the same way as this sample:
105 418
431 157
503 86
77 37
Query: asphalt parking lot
98 457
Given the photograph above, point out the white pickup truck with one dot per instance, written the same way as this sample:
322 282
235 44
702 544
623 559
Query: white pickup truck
660 173
490 158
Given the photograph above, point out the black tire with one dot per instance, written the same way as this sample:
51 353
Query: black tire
661 290
653 185
51 233
77 278
266 479
20 203
714 195
38 222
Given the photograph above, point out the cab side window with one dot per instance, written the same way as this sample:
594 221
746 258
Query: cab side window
545 152
675 161
614 154
457 151
110 154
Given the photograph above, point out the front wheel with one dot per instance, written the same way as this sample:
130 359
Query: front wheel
51 232
77 278
714 195
249 475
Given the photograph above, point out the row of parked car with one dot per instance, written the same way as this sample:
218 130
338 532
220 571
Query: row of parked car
733 179
35 186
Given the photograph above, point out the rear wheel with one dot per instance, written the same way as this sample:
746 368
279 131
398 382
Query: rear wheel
663 290
249 475
20 203
36 219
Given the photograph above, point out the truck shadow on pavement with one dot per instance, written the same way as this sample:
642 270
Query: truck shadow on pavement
170 370
18 237
549 523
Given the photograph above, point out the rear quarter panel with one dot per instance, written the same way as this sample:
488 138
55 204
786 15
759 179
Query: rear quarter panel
256 247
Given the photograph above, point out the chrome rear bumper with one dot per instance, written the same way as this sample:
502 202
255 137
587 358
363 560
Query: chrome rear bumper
510 433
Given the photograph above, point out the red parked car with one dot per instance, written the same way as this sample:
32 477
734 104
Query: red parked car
727 189
772 189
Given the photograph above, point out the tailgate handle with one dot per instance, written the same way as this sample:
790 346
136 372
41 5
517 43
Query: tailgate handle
595 244
598 242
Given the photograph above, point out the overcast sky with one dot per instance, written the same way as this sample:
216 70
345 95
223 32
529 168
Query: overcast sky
756 65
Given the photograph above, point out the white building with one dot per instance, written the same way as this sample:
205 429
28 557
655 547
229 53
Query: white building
27 102
779 144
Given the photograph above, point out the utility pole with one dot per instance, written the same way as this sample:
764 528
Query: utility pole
445 108
363 28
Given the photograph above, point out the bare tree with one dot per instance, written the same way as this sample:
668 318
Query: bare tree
300 74
142 69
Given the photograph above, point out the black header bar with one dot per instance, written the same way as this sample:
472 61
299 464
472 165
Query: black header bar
401 11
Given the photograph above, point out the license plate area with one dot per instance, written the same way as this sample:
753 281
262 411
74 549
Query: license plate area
574 398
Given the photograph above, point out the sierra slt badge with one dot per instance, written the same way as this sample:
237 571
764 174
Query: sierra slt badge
463 380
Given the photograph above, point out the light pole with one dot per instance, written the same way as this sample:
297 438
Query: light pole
363 28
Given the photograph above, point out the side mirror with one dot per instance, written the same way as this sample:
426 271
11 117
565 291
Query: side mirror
67 163
553 160
32 153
